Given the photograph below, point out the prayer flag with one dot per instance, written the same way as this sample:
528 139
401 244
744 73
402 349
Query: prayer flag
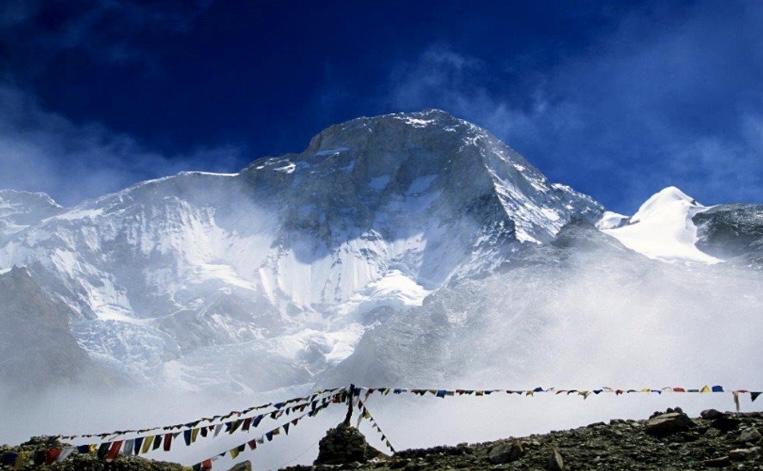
138 444
128 446
147 444
52 455
157 442
9 458
103 450
717 388
21 459
235 425
65 453
704 389
754 395
114 450
256 421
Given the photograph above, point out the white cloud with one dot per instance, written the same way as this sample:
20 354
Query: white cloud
44 151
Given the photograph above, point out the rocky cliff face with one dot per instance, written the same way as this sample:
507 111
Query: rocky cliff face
36 346
732 231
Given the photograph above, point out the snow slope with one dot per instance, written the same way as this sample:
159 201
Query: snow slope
662 228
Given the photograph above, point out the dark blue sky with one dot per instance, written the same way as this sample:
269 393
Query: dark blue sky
616 99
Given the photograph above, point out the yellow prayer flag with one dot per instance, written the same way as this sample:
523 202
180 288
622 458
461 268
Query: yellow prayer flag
233 453
705 389
21 459
194 434
147 444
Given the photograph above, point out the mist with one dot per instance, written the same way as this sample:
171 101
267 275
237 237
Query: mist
569 319
569 315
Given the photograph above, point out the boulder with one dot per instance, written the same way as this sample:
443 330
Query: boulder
245 466
505 453
749 435
711 414
664 425
555 461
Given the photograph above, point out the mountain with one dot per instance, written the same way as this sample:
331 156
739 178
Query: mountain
19 210
264 278
407 248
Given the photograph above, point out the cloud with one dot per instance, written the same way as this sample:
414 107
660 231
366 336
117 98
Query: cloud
44 151
668 97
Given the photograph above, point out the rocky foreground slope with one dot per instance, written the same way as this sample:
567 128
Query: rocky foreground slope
666 441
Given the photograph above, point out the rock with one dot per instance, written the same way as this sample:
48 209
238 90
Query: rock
711 414
555 461
505 453
665 425
743 454
750 435
344 444
720 462
725 423
245 466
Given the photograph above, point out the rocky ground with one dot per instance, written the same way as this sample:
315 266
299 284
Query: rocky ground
666 441
37 448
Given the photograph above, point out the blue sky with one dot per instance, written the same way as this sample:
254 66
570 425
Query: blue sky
616 99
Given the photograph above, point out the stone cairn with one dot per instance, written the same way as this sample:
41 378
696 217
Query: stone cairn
344 443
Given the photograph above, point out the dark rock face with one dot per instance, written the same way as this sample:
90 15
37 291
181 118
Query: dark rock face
344 444
620 445
36 347
732 230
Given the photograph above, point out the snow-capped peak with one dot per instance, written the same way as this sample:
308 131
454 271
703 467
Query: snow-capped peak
662 228
670 198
